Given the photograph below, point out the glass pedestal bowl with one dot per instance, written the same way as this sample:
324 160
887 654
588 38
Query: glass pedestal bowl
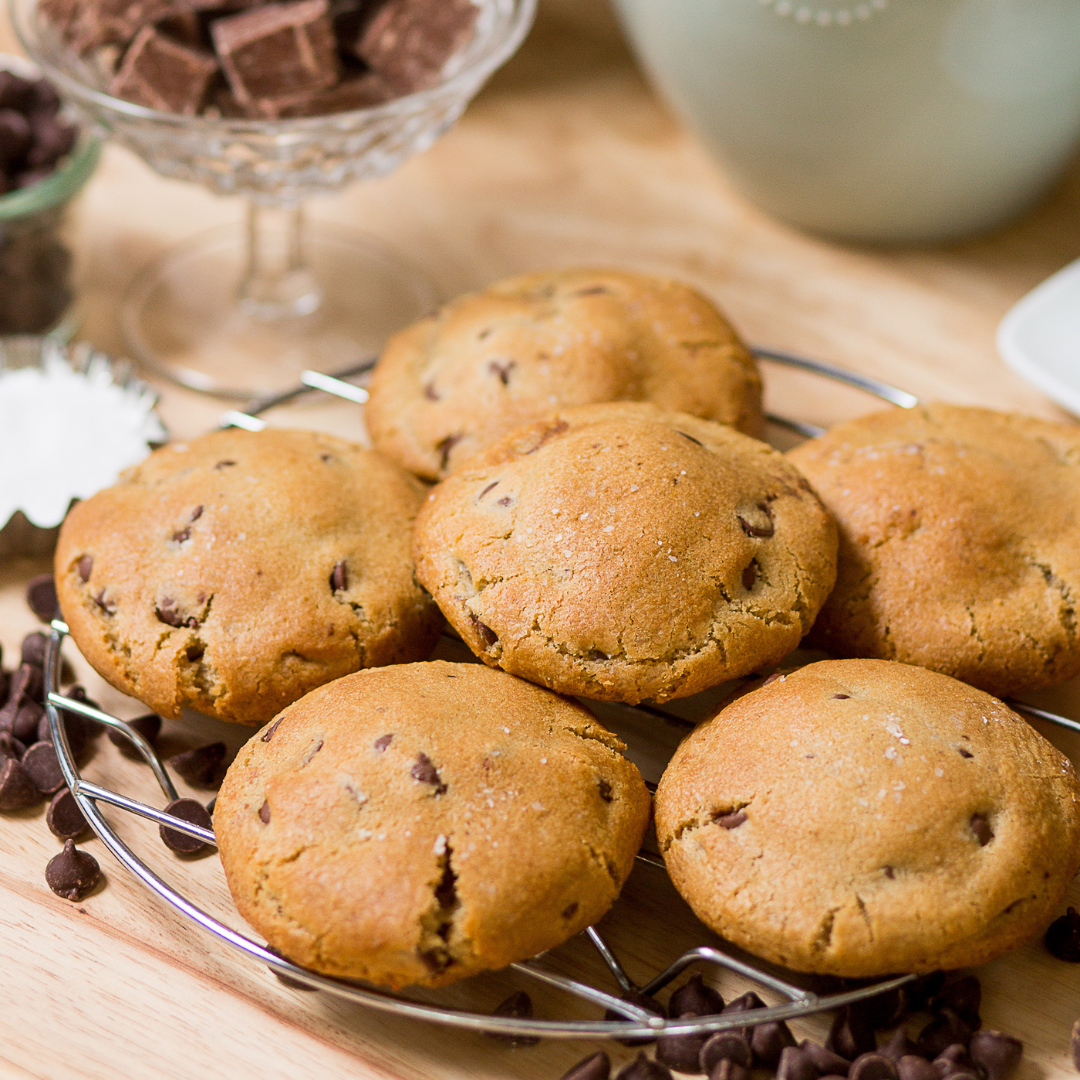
242 312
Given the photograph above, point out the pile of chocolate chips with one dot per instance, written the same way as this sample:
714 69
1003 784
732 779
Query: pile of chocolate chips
251 58
33 135
950 1045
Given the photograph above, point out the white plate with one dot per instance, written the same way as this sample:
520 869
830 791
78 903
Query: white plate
1040 337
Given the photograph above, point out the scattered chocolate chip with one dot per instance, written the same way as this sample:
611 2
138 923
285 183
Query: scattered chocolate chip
191 811
264 812
881 1010
943 1030
965 753
41 597
695 998
339 578
750 575
769 1040
17 790
996 1053
199 766
825 1061
922 990
519 1006
964 997
725 1069
85 567
148 726
382 742
641 1068
731 821
744 1003
33 649
105 602
872 1067
43 768
681 1052
898 1045
78 693
758 522
727 1046
425 772
915 1067
981 828
27 681
292 984
487 636
24 725
850 1035
595 1067
9 712
73 873
64 818
642 1002
10 746
269 733
795 1065
77 728
952 1059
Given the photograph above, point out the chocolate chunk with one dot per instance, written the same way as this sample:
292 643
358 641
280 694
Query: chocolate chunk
795 1065
148 726
996 1053
981 828
10 746
850 1035
41 597
727 1046
25 723
595 1067
17 791
872 1067
915 1067
339 579
769 1040
408 42
33 649
382 742
43 768
191 811
425 771
278 55
199 767
519 1006
725 1069
64 818
360 91
825 1061
264 812
642 1002
898 1045
695 998
85 567
641 1068
160 73
943 1030
73 873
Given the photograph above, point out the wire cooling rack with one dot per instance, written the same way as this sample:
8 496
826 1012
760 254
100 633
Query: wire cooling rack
636 1021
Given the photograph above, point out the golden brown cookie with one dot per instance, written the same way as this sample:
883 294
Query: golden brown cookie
237 571
959 543
862 817
422 823
527 346
622 552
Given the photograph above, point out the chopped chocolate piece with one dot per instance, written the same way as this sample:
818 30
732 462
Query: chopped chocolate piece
519 1006
163 74
199 767
360 91
996 1053
695 998
964 997
898 1045
850 1035
642 1002
73 873
795 1065
408 42
641 1068
53 138
43 768
17 791
825 1061
64 818
726 1069
279 54
24 726
916 1067
148 726
872 1067
945 1029
10 746
769 1040
595 1067
89 24
33 649
726 1045
191 811
15 137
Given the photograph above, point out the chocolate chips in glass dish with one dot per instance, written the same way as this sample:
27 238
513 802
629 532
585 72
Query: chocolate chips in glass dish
33 135
264 60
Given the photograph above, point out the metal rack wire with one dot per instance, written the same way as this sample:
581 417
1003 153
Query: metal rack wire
635 1022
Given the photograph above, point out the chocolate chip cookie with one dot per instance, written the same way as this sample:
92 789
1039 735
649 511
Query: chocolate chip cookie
489 362
958 543
622 552
237 571
421 823
863 817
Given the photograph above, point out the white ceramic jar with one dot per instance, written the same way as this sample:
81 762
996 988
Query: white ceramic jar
881 120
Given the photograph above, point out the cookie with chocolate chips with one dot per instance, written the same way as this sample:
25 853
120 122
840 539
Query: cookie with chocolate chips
958 543
621 552
421 823
235 572
489 362
863 817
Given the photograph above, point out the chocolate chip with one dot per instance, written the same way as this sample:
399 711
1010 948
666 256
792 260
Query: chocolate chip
641 1068
224 464
726 1069
915 1067
881 1010
519 1006
695 998
850 1035
872 1067
17 790
920 992
10 746
41 597
726 1046
750 575
191 811
898 1045
105 602
841 697
10 711
943 1030
181 536
493 484
24 725
996 1053
502 370
148 726
731 821
15 136
199 766
73 873
85 567
27 681
445 446
690 437
425 771
78 693
339 578
43 768
825 1061
642 1002
757 522
681 1052
264 812
77 728
382 742
769 1040
795 1065
595 1067
981 828
953 1059
269 733
33 649
64 818
487 636
52 139
430 392
964 997
964 753
744 1003
168 611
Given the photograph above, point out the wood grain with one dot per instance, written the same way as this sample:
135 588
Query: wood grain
566 158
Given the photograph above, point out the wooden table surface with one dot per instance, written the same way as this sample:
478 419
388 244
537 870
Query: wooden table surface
566 158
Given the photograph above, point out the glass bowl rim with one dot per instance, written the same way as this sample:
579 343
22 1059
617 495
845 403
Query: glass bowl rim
494 56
